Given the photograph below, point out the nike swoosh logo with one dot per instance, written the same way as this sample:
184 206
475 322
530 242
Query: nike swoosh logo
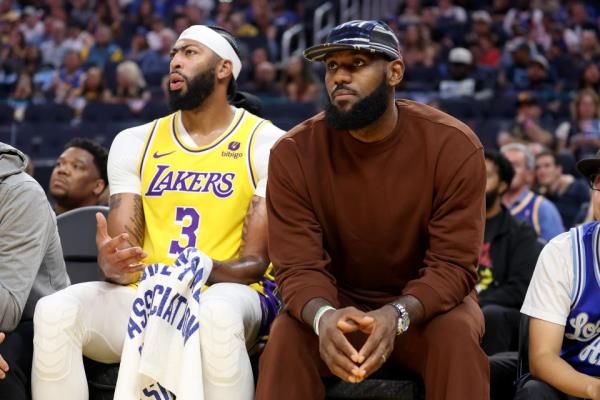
156 155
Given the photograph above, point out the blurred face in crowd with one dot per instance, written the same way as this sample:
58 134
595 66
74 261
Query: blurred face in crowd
530 110
192 76
536 72
522 176
75 180
71 61
591 74
546 170
587 107
93 78
494 187
358 89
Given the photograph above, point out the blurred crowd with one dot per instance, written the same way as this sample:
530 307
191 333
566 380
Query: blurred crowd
540 57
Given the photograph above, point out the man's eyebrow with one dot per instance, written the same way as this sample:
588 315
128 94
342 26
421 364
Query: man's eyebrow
182 47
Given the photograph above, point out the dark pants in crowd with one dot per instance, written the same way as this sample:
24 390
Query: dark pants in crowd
501 329
532 389
445 352
503 375
17 351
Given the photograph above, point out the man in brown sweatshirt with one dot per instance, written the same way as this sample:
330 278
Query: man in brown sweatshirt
376 214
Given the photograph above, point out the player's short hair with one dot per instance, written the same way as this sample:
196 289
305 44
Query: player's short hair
506 171
98 152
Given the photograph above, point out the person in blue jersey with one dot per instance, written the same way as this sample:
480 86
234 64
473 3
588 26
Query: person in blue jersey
563 303
523 203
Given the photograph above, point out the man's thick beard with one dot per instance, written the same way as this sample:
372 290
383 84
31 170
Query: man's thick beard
363 113
198 89
490 198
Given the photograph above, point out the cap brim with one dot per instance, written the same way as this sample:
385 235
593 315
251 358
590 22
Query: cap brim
588 167
319 51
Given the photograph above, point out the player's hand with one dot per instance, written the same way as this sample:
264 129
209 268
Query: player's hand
119 261
339 355
3 363
380 343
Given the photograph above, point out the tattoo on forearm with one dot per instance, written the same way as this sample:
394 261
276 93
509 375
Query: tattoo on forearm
135 226
114 202
251 209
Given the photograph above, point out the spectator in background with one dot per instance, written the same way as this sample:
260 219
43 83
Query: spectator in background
104 49
68 78
514 77
489 55
264 83
461 80
156 61
54 48
581 135
79 177
508 255
524 204
92 88
81 12
590 77
299 81
562 305
567 193
23 91
31 266
131 87
539 78
13 53
578 23
589 48
529 125
417 47
32 26
409 13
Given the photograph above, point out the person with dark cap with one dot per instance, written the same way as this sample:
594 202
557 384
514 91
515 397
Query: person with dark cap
562 305
529 125
510 250
376 214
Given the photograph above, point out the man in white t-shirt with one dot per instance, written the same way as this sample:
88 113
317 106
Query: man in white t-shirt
563 304
194 178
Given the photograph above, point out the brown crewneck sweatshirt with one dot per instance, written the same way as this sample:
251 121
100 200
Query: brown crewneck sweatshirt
373 221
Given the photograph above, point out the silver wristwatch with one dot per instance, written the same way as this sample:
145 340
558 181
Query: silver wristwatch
403 318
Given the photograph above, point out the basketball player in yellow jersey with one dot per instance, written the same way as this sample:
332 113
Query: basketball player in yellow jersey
196 178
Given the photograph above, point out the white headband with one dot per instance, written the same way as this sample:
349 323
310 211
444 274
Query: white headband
215 42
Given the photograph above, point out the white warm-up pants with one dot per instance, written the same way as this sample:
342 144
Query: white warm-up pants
91 319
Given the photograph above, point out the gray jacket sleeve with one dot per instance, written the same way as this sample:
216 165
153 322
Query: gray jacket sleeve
25 223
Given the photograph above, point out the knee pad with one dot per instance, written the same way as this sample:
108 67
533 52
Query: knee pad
222 341
55 335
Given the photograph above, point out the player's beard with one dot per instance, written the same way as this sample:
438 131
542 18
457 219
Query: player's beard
198 89
366 111
491 197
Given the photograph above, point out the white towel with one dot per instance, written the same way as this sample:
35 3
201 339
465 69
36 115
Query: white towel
161 355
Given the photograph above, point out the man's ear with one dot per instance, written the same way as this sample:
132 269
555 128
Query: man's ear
502 187
395 72
99 187
224 69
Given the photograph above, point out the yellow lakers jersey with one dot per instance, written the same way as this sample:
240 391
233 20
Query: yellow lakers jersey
197 196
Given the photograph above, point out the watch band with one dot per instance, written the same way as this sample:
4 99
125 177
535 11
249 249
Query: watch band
403 318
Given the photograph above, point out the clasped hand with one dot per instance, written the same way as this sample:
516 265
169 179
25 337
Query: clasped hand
343 360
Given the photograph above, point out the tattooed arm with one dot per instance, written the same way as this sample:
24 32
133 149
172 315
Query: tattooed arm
253 261
119 242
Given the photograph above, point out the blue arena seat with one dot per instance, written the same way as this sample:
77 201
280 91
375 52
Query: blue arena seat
286 115
106 112
49 112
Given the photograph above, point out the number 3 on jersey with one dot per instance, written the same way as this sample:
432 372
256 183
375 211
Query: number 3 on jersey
189 220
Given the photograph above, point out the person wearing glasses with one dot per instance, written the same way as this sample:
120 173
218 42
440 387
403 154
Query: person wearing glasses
562 303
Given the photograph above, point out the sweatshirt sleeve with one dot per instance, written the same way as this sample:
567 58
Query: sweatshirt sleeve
295 235
455 231
23 243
